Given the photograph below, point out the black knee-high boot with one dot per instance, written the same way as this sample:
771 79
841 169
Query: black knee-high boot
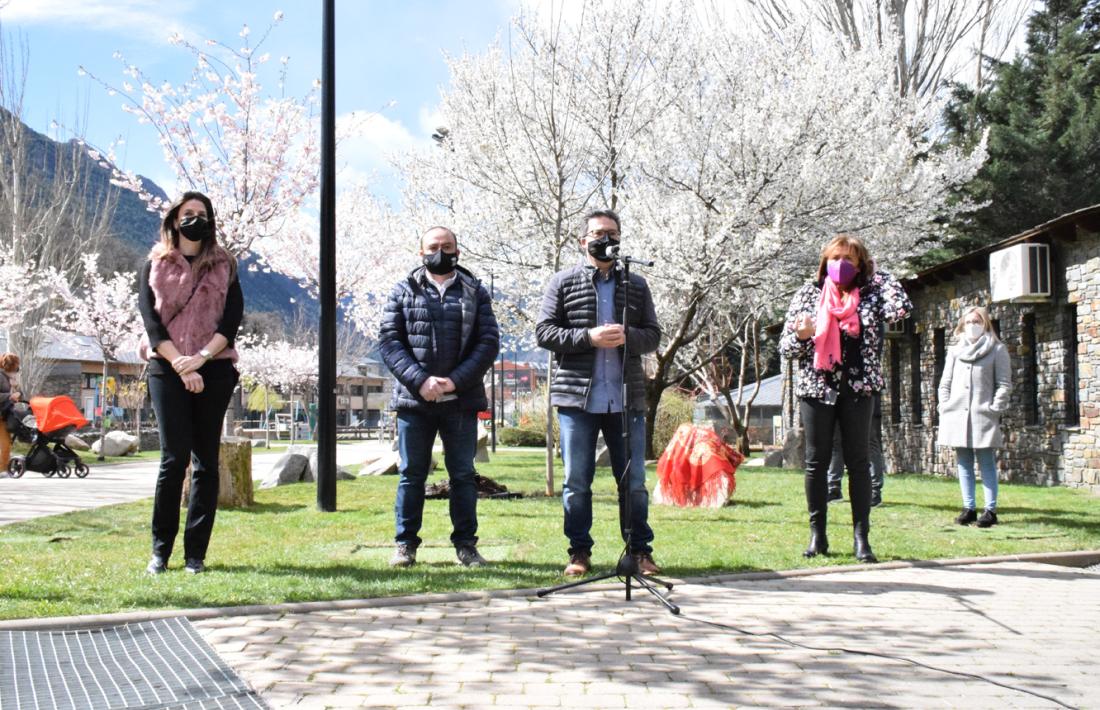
859 488
818 503
860 546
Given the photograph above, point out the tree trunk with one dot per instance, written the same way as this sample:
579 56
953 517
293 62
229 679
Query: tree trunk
293 417
137 418
653 390
267 423
103 413
549 427
234 474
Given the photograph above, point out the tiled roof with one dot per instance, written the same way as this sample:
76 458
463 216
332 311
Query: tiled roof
770 395
78 348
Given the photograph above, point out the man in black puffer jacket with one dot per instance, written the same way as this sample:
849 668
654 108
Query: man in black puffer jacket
439 337
581 323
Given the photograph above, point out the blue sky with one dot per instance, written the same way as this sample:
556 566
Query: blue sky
386 52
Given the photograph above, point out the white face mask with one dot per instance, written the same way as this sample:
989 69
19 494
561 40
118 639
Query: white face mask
973 331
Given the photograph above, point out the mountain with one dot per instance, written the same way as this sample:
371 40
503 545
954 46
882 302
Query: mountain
134 229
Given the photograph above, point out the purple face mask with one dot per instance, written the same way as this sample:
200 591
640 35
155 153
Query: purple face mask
842 271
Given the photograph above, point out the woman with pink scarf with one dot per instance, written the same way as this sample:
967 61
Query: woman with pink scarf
834 332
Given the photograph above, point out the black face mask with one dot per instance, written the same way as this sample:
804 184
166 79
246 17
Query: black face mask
440 263
196 228
598 248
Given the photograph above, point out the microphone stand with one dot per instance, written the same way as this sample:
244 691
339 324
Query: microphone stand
627 566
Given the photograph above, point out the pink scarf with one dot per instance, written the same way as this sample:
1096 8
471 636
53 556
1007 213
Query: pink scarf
835 312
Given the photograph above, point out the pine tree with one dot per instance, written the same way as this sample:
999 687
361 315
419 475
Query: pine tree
1043 115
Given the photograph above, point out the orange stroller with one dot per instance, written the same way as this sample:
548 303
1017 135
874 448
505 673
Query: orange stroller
53 419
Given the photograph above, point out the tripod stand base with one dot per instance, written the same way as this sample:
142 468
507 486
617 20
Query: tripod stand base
627 570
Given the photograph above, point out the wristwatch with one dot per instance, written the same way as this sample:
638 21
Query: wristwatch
206 354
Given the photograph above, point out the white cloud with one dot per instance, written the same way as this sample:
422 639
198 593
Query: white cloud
150 18
366 144
431 119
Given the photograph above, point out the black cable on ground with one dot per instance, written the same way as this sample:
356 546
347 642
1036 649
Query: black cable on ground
875 654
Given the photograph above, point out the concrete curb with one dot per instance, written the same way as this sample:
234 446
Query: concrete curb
1083 558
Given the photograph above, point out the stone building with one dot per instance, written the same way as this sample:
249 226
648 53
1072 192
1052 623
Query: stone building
1052 428
76 371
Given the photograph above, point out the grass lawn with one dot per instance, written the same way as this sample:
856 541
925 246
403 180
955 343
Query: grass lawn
282 549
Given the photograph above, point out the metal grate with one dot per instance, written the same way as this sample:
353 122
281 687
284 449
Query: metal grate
154 665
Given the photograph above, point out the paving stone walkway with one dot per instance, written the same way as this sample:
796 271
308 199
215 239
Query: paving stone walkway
1021 626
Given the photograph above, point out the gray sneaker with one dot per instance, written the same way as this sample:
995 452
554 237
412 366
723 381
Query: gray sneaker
157 565
403 556
469 556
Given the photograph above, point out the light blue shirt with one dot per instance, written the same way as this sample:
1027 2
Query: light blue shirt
605 394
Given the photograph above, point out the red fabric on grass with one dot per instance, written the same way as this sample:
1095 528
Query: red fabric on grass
697 469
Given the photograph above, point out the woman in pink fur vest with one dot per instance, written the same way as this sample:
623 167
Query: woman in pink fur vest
191 304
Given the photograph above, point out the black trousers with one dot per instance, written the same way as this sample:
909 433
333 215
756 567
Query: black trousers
190 432
852 414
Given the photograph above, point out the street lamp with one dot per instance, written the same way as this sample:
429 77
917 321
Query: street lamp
326 381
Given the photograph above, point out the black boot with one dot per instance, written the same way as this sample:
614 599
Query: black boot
819 541
861 547
818 505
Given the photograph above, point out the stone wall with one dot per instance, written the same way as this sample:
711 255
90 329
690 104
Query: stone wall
1043 443
64 379
1081 445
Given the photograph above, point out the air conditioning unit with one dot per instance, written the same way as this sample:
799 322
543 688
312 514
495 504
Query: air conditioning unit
1020 273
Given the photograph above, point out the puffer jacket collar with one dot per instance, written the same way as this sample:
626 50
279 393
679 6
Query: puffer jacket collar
418 282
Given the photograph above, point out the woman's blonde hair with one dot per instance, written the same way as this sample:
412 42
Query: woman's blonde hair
9 362
987 322
855 246
210 253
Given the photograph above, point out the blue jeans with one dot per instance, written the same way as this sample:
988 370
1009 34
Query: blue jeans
416 433
987 461
578 445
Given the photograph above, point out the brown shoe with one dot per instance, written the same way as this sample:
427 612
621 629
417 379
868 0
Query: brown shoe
646 565
579 564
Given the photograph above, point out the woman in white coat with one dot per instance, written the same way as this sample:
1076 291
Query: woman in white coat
974 392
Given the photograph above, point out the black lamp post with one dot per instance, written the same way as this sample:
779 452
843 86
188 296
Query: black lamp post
326 384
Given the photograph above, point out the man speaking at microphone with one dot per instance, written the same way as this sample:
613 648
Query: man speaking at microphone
581 323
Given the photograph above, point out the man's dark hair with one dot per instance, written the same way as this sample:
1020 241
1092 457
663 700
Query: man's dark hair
439 226
610 214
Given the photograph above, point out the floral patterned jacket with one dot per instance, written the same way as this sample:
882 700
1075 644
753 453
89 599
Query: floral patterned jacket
881 301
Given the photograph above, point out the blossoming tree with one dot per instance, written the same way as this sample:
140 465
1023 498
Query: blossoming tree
373 249
255 155
278 365
105 309
728 160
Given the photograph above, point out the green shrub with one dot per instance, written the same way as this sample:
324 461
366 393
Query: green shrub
521 436
532 414
675 408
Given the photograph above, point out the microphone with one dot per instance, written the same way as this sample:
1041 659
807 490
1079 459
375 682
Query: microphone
614 251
